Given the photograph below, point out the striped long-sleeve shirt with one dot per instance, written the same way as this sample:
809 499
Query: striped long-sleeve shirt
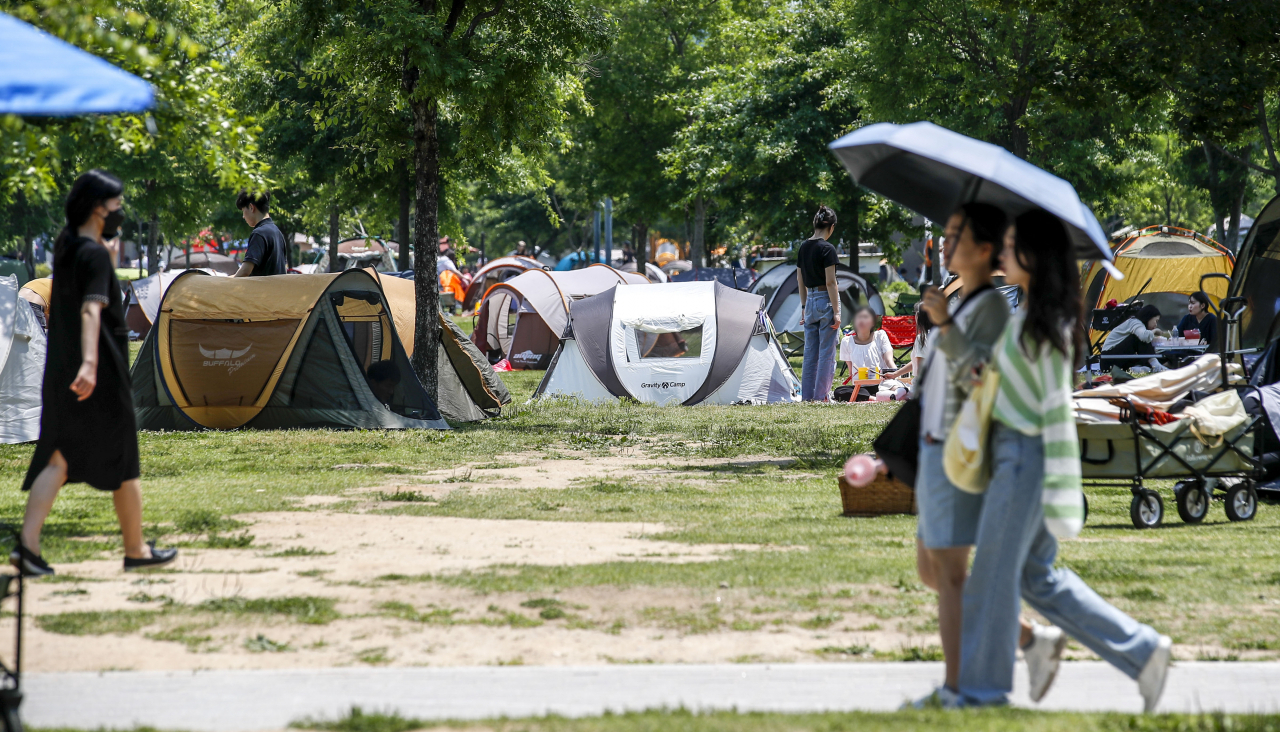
1034 398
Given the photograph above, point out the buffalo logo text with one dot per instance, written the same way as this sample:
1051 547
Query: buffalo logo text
233 360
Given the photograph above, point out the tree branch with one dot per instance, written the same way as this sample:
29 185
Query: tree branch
1266 133
1243 161
455 14
481 17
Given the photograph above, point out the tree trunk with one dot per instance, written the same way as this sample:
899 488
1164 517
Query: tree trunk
334 266
642 247
698 251
426 242
1219 215
402 226
153 244
1233 228
855 232
638 248
1264 126
28 254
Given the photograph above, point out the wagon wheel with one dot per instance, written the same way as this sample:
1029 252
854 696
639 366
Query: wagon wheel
1147 509
1192 501
1242 502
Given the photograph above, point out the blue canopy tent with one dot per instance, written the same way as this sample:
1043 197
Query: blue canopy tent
44 76
574 260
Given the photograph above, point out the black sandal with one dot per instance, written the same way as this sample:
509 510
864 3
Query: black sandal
28 562
158 558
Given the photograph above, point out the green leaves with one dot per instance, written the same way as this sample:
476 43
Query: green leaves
189 150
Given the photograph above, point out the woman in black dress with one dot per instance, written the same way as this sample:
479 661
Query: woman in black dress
88 433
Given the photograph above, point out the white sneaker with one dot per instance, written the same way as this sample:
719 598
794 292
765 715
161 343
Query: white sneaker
1151 680
1043 657
939 698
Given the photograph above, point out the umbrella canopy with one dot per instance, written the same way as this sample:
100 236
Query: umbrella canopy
932 170
44 76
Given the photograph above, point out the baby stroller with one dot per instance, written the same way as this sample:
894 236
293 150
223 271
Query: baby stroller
1127 436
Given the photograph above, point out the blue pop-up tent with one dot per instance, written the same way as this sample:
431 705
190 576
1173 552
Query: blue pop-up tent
44 76
574 260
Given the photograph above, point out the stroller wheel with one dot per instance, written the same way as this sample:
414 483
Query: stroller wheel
1147 509
1192 501
1242 502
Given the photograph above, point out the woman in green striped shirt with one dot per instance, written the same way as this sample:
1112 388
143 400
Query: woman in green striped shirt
1034 496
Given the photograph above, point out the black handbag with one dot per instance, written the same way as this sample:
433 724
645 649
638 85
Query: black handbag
899 442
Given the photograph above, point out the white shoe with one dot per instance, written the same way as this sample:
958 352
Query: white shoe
939 698
1043 657
1151 680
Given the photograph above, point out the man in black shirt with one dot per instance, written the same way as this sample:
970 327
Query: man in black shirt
820 303
266 253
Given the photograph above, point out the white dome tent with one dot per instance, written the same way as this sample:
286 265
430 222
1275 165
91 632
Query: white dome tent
22 354
522 319
679 343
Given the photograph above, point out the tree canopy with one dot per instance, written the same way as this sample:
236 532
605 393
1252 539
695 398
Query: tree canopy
704 121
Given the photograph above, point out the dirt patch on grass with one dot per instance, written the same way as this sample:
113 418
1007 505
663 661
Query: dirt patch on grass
535 470
424 623
356 547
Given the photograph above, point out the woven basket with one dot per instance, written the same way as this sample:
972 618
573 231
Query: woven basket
882 496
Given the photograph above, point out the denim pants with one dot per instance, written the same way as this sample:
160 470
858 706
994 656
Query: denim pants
946 516
820 341
1013 557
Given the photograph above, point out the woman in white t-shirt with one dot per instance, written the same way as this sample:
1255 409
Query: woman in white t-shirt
867 347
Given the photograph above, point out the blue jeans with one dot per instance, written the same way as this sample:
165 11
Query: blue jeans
947 517
820 341
1013 557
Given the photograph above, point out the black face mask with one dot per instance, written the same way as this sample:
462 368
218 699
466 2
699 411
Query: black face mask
111 225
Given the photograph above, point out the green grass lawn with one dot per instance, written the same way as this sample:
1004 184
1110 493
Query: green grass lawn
987 720
1216 585
990 720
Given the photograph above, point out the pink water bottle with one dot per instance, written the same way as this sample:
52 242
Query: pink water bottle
862 469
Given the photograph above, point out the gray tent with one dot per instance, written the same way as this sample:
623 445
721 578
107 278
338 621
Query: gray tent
676 343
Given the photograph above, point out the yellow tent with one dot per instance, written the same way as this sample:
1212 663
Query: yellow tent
1172 259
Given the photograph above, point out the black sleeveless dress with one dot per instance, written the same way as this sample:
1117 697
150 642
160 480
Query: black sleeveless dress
97 436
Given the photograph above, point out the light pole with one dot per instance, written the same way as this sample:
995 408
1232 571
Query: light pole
595 236
608 230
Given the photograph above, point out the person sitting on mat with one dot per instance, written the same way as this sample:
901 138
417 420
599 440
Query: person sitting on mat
867 347
913 364
1134 337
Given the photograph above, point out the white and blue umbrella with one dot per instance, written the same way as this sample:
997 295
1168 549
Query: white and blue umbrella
932 170
41 75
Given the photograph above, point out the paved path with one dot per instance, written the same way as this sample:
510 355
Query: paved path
246 701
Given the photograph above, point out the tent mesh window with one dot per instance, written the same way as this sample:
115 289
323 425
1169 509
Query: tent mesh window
684 344
364 319
226 363
321 382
